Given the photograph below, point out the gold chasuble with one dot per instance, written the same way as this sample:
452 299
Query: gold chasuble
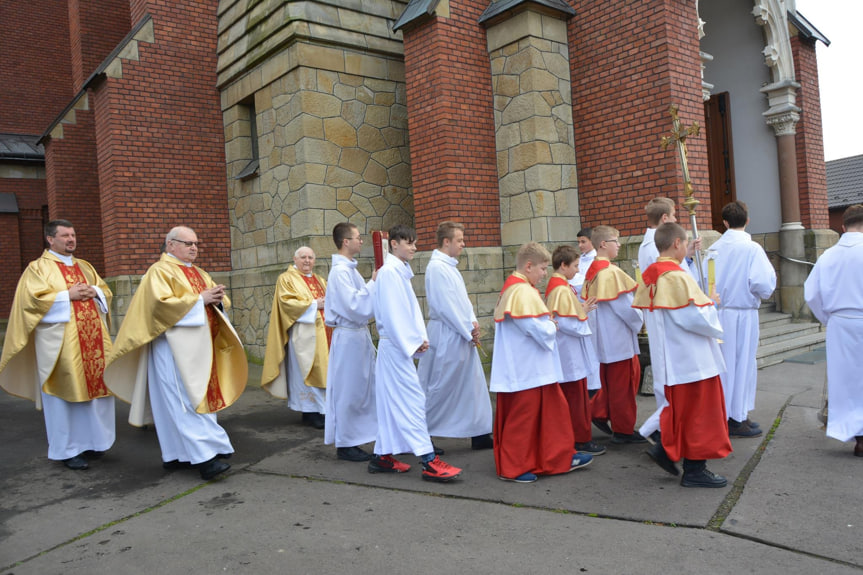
605 281
518 299
210 358
71 356
293 296
667 286
561 300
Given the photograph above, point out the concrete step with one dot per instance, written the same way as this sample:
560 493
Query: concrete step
773 318
774 353
778 332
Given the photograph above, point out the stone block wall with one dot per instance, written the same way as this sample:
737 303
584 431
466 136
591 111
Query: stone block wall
534 133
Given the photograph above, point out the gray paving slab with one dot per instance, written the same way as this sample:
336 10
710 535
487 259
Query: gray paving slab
290 506
255 523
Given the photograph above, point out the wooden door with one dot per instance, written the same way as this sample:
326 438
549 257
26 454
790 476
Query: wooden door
720 156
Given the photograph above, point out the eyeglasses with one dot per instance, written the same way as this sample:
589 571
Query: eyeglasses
615 241
188 244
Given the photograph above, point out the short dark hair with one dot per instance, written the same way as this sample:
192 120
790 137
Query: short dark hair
853 216
666 234
341 232
563 255
656 208
446 231
735 213
51 227
402 232
584 233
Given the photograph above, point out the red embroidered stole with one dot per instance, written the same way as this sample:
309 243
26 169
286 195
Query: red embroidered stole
215 400
318 292
89 326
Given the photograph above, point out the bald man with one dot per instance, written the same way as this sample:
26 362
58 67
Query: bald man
178 361
295 362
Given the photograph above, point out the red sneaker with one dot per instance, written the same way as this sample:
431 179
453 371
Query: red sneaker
387 464
437 470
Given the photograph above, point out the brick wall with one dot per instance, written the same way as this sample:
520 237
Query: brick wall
35 70
20 234
73 185
161 144
627 67
451 126
95 28
811 171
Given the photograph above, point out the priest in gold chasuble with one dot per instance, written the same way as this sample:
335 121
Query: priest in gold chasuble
55 348
177 359
295 362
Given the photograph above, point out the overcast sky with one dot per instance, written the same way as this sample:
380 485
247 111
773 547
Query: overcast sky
839 67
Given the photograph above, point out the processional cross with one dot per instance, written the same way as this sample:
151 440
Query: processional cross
678 136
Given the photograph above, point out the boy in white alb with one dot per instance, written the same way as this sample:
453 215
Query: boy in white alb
351 409
617 327
573 346
457 400
401 402
834 292
744 277
532 429
688 360
588 254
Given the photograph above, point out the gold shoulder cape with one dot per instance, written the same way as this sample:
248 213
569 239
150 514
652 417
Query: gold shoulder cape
63 374
608 284
290 300
667 286
161 300
561 300
518 299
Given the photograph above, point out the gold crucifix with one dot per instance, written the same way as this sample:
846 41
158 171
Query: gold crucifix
678 136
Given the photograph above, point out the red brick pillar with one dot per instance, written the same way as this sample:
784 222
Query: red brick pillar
160 139
451 125
95 28
809 139
628 67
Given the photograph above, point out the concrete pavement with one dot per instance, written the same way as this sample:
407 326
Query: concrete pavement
288 506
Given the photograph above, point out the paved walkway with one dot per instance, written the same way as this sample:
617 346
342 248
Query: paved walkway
288 506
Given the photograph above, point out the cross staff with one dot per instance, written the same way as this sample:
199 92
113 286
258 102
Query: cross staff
678 136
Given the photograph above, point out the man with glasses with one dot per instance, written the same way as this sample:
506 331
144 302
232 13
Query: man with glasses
178 360
55 348
351 413
296 358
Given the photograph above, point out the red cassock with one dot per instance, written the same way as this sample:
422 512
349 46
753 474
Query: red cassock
616 400
579 408
694 424
533 432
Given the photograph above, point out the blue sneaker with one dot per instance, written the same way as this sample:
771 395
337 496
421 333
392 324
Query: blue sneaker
523 478
580 460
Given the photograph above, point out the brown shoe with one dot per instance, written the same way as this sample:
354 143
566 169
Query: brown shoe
742 429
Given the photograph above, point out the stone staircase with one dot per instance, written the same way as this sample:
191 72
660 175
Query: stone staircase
781 337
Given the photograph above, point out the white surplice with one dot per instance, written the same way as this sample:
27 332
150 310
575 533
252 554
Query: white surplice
351 408
524 354
457 399
834 292
574 349
72 427
400 398
184 435
584 261
744 276
617 327
647 255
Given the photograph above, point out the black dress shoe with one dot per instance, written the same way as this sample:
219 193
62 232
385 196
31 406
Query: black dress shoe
210 469
224 455
352 454
633 437
660 457
313 419
485 441
90 454
702 478
176 465
77 463
858 449
602 426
